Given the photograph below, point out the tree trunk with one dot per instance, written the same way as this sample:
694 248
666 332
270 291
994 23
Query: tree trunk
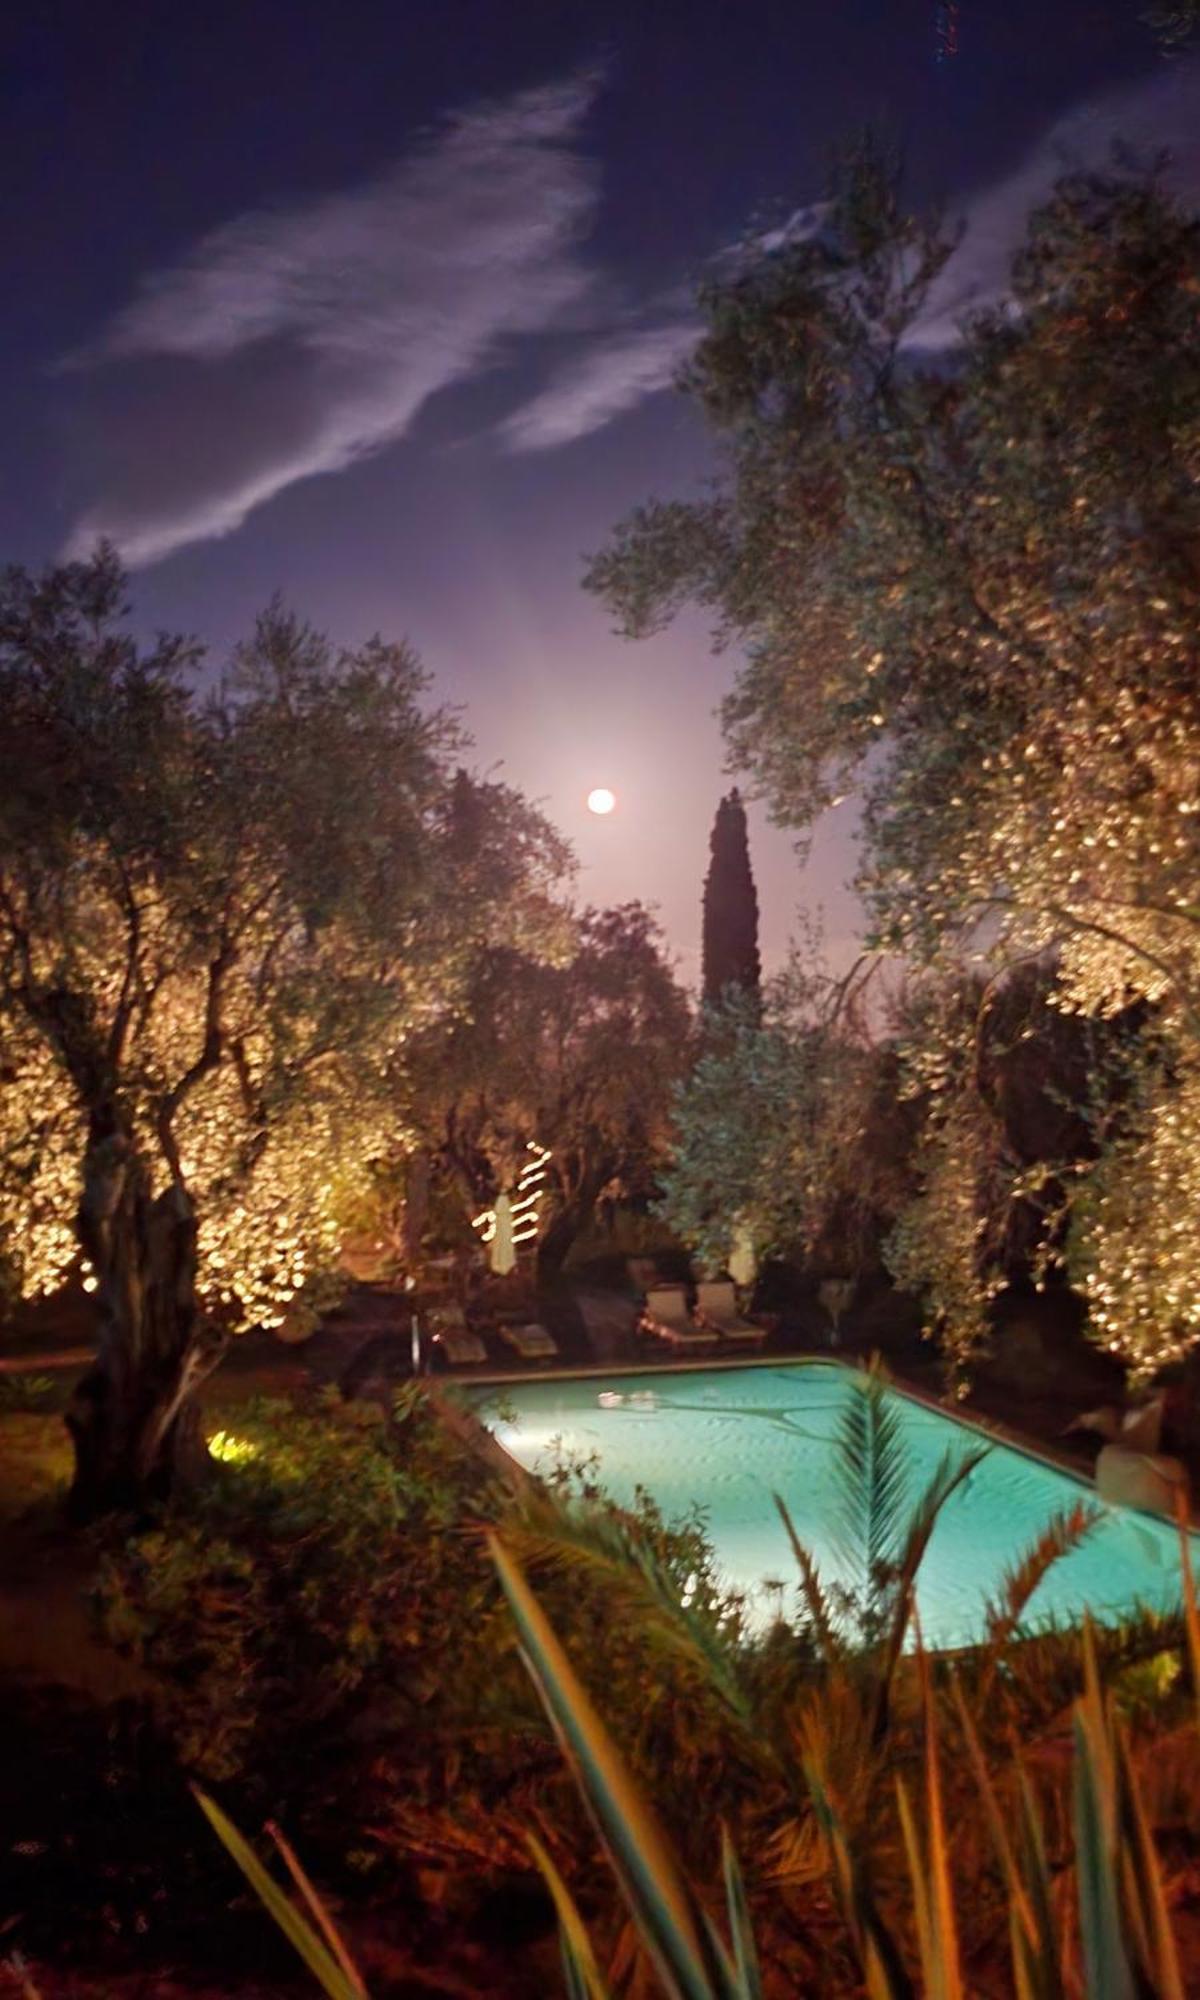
133 1419
567 1226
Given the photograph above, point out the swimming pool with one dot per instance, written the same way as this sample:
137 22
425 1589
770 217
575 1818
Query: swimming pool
728 1439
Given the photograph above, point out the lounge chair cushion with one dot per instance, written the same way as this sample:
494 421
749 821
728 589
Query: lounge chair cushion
532 1341
460 1346
717 1304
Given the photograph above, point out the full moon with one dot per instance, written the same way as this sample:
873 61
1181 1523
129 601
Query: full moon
601 800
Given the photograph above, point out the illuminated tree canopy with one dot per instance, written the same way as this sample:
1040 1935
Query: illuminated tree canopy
964 571
577 1055
224 903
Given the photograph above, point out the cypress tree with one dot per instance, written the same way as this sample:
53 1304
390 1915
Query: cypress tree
730 908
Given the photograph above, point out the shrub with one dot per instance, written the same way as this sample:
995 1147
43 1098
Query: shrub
329 1564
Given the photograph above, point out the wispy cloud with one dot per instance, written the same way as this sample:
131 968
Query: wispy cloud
590 391
292 342
1160 113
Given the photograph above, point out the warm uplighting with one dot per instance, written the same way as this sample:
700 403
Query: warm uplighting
229 1449
601 800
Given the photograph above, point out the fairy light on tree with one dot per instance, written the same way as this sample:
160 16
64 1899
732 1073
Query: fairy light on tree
219 920
967 592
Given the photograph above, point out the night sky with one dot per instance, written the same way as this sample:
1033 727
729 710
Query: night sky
376 305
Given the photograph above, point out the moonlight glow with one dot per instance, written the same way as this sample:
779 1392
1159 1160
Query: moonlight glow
601 800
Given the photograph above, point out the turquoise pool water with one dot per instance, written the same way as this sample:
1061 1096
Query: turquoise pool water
728 1439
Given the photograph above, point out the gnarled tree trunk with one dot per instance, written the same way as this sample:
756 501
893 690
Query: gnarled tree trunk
567 1225
133 1419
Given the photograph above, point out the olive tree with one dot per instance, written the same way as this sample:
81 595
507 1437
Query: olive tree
224 902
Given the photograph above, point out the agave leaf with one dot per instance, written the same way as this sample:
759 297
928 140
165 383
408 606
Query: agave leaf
813 1589
1037 1970
668 1917
741 1929
584 1979
298 1931
1190 1613
948 1983
1035 1874
1145 1894
1106 1962
922 1912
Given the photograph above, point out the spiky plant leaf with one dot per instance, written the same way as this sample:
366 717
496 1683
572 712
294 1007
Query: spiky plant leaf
690 1963
326 1928
947 1983
879 1962
741 1929
1004 1612
298 1931
1037 1972
816 1602
1145 1896
584 1979
1035 1874
1106 1962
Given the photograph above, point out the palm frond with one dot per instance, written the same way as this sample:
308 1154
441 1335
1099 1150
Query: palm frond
1004 1612
871 1471
552 1535
947 1478
879 1962
815 1600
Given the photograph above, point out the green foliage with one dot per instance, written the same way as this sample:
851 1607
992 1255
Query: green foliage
787 1128
26 1392
329 1568
331 1969
1122 1924
891 1836
224 900
961 589
577 1055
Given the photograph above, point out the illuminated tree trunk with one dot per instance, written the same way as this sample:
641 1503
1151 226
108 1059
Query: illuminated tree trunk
133 1418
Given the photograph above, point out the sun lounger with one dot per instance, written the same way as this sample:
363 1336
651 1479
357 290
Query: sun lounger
459 1342
717 1306
531 1341
666 1316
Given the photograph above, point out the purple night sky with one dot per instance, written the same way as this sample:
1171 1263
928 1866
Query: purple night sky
379 306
